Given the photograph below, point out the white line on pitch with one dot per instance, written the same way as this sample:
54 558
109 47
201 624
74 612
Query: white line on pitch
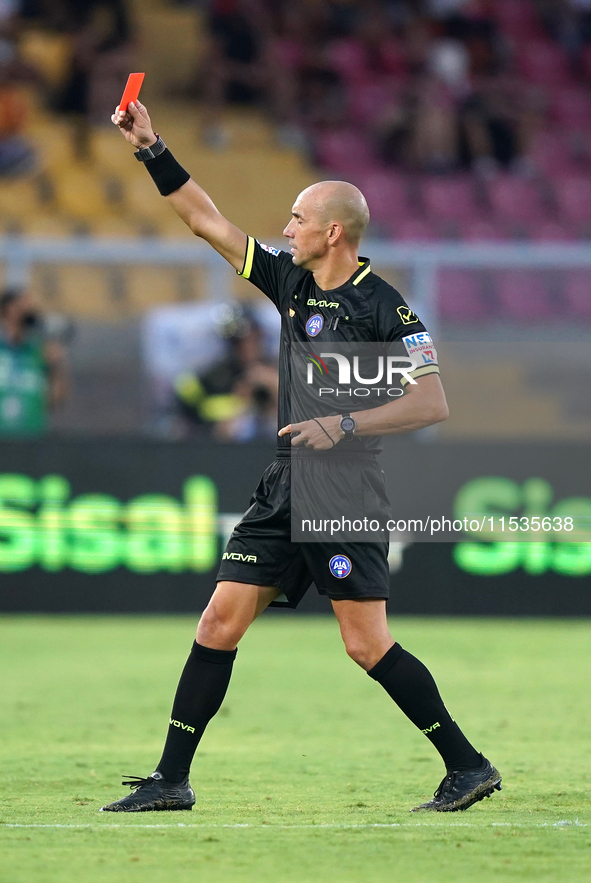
564 823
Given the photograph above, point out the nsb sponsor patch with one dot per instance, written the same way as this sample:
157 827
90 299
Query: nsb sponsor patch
270 249
340 566
421 346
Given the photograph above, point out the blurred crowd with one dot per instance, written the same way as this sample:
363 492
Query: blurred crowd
436 85
466 119
91 48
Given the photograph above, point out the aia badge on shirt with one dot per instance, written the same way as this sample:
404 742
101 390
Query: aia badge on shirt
340 566
314 325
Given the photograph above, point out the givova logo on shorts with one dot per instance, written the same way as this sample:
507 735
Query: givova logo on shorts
238 556
340 566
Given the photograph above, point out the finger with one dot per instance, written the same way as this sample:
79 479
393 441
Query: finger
133 110
140 111
299 439
285 430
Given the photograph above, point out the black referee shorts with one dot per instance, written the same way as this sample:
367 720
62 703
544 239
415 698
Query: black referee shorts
260 550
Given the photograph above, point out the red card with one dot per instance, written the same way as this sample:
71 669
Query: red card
132 90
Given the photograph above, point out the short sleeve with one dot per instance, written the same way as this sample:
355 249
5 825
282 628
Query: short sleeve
271 270
397 322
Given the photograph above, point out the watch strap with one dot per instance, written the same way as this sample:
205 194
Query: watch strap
144 154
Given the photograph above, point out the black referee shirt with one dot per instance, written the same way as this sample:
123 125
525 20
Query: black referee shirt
364 309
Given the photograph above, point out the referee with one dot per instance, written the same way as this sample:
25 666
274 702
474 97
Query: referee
322 289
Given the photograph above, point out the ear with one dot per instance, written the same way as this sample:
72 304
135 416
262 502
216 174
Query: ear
335 233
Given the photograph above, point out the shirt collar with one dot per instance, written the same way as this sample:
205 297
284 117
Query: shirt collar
361 273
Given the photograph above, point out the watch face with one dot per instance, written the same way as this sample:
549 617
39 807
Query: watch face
347 424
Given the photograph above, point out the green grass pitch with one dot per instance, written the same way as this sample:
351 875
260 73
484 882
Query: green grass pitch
308 772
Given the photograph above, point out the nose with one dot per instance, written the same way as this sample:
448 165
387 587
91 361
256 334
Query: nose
287 231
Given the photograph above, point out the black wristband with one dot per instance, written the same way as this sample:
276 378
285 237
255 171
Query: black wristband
168 175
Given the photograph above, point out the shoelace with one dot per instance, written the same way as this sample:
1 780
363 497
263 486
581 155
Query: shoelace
135 782
448 780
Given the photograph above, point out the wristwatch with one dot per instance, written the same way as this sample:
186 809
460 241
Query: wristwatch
348 426
146 153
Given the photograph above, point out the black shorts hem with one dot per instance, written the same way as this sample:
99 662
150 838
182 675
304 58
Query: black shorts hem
247 582
292 593
349 596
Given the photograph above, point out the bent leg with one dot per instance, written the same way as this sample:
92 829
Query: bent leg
404 677
364 630
232 608
207 673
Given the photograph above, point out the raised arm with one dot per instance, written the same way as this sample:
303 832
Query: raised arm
190 202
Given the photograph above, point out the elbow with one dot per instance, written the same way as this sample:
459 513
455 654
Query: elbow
442 413
196 227
437 413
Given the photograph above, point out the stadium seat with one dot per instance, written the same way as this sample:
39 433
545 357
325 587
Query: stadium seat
573 195
291 52
386 195
586 60
347 57
543 63
367 99
117 227
550 152
146 287
517 19
80 194
577 293
449 198
83 291
48 53
514 199
413 230
344 151
18 197
550 231
523 296
482 230
571 107
460 297
48 224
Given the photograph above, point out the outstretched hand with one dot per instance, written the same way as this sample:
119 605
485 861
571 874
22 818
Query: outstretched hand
135 125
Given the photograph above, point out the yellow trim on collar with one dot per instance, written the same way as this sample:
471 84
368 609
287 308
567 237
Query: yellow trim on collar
362 275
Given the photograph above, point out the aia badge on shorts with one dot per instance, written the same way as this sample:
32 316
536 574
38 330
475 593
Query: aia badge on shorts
340 566
314 325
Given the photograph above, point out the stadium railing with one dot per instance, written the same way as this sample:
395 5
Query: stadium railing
421 261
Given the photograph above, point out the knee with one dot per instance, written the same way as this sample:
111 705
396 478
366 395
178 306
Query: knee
359 652
218 629
367 652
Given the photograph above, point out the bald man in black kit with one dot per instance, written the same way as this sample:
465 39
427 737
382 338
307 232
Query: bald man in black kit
324 290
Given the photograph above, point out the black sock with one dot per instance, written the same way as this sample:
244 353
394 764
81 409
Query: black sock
411 686
200 693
